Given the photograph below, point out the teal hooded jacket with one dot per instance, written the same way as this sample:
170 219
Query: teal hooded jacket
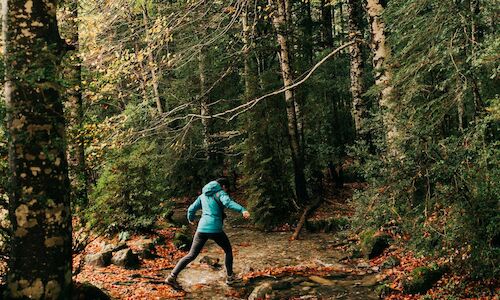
211 216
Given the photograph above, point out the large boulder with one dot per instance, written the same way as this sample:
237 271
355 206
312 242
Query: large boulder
113 247
374 243
125 258
421 279
101 259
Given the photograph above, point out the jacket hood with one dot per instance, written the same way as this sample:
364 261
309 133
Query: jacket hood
211 188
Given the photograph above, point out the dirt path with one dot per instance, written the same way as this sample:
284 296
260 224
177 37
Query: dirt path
256 251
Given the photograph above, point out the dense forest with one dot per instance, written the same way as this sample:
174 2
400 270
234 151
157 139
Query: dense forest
377 118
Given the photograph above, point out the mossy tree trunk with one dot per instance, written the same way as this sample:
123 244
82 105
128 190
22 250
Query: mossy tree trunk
39 207
355 13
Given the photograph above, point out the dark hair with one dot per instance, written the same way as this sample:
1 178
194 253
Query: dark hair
223 182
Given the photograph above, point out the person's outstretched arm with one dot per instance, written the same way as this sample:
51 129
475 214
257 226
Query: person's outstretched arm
231 204
193 208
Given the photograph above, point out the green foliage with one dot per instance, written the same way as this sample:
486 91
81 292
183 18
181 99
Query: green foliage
131 192
443 188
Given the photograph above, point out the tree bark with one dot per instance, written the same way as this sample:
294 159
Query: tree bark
326 24
75 111
204 105
355 13
286 71
249 76
152 62
381 53
39 207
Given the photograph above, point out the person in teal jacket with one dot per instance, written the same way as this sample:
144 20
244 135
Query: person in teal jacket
213 199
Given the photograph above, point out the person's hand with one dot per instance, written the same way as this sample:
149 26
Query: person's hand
246 214
191 222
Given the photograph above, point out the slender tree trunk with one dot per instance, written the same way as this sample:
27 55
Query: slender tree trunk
286 71
475 36
355 12
326 24
39 207
249 76
204 105
341 19
142 73
76 112
382 76
334 26
152 62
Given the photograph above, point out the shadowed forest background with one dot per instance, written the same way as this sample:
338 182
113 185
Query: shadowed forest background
374 122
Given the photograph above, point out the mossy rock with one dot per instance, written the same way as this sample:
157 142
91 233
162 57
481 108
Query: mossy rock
327 225
422 279
391 262
373 243
355 252
87 291
182 239
383 290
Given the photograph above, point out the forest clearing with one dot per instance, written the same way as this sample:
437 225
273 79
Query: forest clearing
250 149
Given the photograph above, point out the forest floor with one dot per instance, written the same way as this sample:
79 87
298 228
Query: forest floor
316 266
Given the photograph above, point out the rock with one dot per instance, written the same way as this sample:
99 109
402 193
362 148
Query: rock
355 252
422 279
383 291
182 240
261 291
125 258
374 243
282 284
87 291
363 265
113 248
307 283
321 280
391 262
101 259
327 225
146 249
212 262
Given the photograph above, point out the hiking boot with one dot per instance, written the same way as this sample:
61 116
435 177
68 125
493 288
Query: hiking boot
232 279
172 281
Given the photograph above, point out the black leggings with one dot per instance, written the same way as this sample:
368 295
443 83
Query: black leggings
200 238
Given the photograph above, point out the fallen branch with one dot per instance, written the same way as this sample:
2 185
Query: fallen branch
308 211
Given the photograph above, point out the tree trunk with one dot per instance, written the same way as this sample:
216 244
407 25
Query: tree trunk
286 71
249 76
355 12
152 62
39 207
381 53
326 24
76 113
204 105
142 73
